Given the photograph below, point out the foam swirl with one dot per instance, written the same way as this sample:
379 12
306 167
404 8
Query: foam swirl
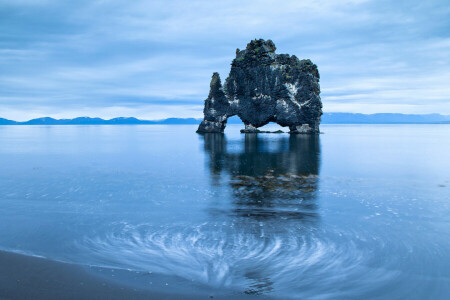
256 259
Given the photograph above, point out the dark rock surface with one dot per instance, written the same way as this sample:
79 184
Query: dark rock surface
265 87
216 108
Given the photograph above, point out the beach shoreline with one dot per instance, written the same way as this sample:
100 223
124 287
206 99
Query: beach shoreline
30 277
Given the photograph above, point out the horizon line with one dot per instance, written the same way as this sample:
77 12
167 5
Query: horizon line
200 118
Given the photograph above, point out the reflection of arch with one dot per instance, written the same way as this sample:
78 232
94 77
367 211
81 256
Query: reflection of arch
267 176
274 183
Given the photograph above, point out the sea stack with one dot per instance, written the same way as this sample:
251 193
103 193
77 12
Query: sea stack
265 87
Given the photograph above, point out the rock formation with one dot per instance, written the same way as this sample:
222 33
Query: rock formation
265 87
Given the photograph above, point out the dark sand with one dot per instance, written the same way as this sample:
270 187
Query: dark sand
29 277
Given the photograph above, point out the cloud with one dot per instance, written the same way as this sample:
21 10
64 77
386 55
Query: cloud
152 58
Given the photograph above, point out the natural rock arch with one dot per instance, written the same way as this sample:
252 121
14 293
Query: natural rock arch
265 87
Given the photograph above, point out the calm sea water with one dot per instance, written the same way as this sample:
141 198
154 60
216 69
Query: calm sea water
362 211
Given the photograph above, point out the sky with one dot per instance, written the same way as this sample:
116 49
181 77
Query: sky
154 59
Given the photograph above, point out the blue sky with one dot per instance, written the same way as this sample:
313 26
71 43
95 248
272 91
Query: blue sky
154 59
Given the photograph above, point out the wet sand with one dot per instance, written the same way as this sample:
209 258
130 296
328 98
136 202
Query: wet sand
29 277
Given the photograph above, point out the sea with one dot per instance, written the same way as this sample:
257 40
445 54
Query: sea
357 212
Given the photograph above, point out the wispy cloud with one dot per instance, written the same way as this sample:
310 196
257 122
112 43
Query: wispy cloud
154 59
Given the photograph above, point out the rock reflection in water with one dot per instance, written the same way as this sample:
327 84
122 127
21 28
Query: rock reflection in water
274 188
277 178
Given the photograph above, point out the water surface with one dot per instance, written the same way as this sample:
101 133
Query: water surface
359 211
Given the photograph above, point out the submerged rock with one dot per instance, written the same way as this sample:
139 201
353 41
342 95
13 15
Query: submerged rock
265 87
260 131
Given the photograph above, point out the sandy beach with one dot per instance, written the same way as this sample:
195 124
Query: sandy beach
29 277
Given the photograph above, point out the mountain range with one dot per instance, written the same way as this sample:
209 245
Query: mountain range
327 118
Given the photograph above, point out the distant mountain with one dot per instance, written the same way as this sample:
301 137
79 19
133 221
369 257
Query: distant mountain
99 121
327 118
41 121
84 121
384 118
125 121
179 121
7 122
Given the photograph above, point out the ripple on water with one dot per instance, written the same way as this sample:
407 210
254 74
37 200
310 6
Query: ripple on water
254 259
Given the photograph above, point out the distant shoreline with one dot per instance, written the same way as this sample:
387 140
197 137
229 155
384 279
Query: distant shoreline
327 118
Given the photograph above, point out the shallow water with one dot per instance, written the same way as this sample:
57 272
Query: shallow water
360 211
